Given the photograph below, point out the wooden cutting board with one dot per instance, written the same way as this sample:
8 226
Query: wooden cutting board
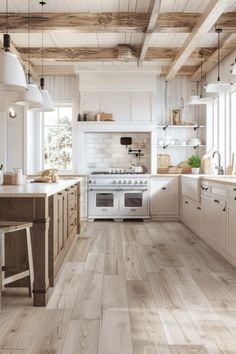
230 169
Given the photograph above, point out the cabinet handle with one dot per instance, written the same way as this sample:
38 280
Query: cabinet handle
186 202
204 189
234 198
59 193
198 208
216 201
234 189
67 189
164 188
224 209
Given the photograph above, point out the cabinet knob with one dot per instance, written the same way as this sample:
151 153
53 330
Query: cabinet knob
198 208
216 201
164 188
186 202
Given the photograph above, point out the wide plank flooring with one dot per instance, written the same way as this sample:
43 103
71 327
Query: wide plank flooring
129 288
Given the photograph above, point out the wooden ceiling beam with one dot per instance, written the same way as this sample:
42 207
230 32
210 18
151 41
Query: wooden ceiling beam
120 53
228 46
154 11
184 22
204 24
77 22
168 22
184 70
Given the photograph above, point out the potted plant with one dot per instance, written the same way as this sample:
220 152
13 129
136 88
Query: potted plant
195 163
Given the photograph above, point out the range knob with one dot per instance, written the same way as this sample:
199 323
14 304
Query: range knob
124 182
145 182
130 182
114 182
141 182
120 182
135 182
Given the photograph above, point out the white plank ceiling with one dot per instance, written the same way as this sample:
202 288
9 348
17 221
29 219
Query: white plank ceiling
62 39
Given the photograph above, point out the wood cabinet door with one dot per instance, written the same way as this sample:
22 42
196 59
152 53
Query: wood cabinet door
231 240
60 220
191 214
164 196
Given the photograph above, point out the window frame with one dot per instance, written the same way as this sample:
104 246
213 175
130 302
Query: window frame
58 105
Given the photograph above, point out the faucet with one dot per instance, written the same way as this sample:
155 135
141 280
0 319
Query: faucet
219 168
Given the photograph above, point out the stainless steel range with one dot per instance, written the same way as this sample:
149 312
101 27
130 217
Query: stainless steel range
118 196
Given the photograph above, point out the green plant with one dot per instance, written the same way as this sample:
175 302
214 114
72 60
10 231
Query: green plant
194 161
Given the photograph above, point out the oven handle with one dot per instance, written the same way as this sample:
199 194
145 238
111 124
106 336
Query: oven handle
103 190
134 190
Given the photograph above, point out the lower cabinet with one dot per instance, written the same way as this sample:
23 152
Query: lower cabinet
64 225
164 196
231 239
214 221
191 214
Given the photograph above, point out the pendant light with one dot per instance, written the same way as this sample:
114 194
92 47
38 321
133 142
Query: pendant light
48 105
12 76
199 99
218 86
32 96
233 68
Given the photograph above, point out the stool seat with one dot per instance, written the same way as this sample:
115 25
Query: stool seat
10 226
7 227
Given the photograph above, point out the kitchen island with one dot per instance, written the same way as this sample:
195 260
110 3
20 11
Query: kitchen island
53 208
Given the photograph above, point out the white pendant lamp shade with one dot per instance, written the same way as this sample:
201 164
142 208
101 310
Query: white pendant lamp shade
12 77
31 97
47 106
199 100
218 87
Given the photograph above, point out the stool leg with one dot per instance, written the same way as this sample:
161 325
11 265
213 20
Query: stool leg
2 240
30 260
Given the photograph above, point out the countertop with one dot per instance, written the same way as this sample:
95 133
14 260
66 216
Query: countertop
29 189
221 179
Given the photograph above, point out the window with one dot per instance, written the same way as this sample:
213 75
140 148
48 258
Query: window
58 138
233 121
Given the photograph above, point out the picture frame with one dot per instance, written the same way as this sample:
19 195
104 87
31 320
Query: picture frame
176 116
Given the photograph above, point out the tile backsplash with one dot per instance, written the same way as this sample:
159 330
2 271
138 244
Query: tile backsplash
103 150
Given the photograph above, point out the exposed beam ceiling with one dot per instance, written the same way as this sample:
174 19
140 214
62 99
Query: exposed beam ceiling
154 13
204 24
122 53
129 22
227 47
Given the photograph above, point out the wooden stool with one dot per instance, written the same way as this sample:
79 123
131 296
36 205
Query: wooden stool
8 227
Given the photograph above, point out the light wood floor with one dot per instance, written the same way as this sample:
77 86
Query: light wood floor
130 288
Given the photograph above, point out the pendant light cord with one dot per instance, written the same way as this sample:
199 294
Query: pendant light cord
42 68
219 30
7 25
28 63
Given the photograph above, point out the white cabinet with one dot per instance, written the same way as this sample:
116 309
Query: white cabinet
190 215
164 196
231 239
214 221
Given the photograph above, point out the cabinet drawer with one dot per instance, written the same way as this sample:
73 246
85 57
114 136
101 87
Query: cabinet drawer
232 195
72 206
72 223
219 191
72 193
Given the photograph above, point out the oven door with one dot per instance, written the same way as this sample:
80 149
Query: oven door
134 203
103 202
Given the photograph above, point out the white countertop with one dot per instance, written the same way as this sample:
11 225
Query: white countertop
29 189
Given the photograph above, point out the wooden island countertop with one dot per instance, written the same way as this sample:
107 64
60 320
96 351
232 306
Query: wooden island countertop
53 209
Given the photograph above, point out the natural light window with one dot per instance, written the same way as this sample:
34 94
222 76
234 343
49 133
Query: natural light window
233 121
58 138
